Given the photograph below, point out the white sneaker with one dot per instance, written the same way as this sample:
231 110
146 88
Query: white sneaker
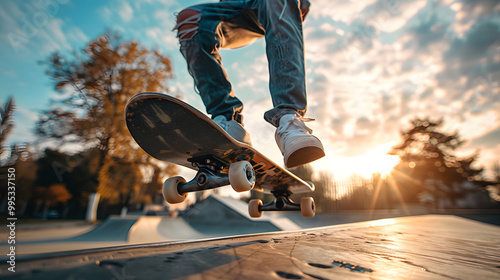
234 129
296 143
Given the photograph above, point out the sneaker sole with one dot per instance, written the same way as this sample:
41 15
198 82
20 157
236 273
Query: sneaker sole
304 156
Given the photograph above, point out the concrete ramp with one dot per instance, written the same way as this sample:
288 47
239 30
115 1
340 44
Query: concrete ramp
215 216
158 229
218 214
241 208
114 229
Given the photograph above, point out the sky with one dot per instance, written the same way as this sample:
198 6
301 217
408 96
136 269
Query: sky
372 66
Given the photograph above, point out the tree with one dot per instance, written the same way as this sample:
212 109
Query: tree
151 192
77 172
427 157
15 156
26 170
6 126
51 196
493 186
6 123
94 87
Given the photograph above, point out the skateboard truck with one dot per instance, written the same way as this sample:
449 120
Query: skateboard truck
282 202
209 175
240 176
205 179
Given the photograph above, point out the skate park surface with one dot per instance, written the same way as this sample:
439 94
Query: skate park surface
417 247
214 217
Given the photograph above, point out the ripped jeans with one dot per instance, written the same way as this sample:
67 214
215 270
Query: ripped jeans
236 23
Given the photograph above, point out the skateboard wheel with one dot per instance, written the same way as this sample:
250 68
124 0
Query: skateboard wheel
253 208
241 176
170 191
307 207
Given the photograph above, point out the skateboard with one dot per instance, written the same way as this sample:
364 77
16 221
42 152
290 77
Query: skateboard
173 131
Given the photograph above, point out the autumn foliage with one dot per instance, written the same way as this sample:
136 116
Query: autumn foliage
94 87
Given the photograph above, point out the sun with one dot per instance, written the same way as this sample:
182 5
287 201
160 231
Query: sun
375 160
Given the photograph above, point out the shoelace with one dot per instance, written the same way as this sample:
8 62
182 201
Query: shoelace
298 122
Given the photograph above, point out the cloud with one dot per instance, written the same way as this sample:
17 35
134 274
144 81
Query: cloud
256 82
25 25
489 140
163 33
371 71
164 38
105 13
76 36
166 18
55 37
24 114
126 12
21 133
345 11
390 16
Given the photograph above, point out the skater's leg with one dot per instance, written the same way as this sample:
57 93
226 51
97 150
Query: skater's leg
282 21
202 31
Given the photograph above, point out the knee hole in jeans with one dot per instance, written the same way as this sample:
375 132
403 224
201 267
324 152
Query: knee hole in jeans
187 24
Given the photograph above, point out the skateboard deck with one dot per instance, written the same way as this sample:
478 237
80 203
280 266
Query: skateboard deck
173 131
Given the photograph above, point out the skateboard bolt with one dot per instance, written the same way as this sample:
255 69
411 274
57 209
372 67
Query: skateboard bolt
202 179
249 174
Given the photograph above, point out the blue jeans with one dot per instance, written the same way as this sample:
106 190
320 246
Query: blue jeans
232 24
